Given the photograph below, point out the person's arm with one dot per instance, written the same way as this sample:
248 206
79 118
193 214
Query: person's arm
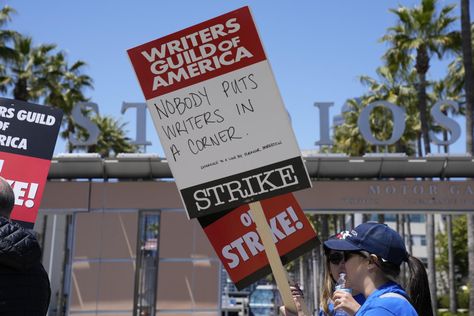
345 301
299 301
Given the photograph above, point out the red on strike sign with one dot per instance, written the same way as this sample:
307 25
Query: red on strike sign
27 177
239 247
27 141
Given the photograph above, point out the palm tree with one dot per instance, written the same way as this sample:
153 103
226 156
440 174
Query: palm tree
26 67
64 88
391 87
461 83
425 33
396 85
6 53
443 91
347 137
5 17
455 79
469 89
456 73
112 139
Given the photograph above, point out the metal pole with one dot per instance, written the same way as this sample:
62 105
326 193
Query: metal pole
51 253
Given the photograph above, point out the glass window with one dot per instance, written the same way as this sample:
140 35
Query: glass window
264 300
182 238
387 217
423 240
103 263
418 240
417 218
188 271
188 285
147 263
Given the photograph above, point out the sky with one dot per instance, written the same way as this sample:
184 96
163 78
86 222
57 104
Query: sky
317 49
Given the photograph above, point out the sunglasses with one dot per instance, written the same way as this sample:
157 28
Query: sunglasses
337 257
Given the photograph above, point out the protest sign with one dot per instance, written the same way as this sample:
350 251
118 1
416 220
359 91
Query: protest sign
221 121
233 235
28 134
219 115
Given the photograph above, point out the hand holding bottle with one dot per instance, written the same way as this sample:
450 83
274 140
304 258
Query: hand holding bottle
344 302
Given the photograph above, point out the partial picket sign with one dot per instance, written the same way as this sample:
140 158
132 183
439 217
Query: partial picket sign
234 237
28 134
219 115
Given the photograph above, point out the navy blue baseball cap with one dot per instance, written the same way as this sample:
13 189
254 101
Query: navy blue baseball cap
375 238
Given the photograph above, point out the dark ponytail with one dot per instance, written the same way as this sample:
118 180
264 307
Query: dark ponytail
418 287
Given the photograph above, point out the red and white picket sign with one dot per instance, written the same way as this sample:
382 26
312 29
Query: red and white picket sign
219 115
235 239
27 139
222 123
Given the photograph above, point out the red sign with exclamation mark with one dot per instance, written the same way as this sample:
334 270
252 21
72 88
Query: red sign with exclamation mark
235 239
27 183
28 137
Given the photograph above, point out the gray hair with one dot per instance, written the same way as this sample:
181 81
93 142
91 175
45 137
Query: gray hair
7 198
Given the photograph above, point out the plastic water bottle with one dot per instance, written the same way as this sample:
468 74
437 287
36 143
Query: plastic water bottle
341 286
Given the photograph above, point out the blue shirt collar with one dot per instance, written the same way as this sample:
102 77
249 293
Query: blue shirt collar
389 287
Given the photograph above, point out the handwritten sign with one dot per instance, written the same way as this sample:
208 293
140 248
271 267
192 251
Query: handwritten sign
234 237
28 134
219 116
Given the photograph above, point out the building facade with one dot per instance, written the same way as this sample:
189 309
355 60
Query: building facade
116 239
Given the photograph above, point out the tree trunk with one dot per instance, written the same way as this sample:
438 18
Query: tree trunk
365 217
470 251
322 261
422 66
20 92
419 147
316 262
431 260
409 236
403 270
398 220
70 131
468 71
324 233
469 89
453 306
301 275
334 223
342 222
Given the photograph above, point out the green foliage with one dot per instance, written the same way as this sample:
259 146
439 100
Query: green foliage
460 249
462 299
443 301
456 75
391 87
41 74
447 313
112 138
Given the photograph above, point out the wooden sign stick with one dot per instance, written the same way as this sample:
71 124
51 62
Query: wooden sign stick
279 272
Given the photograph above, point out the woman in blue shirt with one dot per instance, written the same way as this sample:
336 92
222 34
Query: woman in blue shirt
335 266
373 254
